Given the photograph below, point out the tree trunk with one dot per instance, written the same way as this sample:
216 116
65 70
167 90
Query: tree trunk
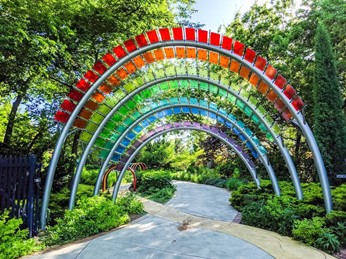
34 140
11 120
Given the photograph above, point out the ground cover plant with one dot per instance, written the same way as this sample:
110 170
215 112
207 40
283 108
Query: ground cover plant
303 220
14 241
91 215
155 185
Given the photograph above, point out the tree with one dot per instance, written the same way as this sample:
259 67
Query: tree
285 35
329 120
46 45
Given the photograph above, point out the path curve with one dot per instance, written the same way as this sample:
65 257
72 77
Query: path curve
196 223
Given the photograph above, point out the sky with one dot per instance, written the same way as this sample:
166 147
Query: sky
213 13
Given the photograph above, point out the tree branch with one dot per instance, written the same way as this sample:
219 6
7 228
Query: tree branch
61 82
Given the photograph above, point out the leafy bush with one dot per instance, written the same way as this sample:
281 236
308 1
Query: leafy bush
328 242
162 195
340 231
130 204
218 182
91 216
59 201
234 183
196 175
155 185
261 209
89 176
14 241
335 216
249 193
149 181
339 197
308 230
276 214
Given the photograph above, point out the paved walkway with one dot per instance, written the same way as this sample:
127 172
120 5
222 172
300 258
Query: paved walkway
196 223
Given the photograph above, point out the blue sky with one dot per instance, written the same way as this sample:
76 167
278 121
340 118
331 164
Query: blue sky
212 13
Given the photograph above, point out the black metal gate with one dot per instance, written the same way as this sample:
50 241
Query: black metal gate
19 189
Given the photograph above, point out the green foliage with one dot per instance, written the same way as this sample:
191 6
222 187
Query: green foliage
308 230
248 193
59 201
157 153
340 231
151 179
307 217
155 185
335 216
329 120
276 214
313 232
233 184
218 182
161 195
91 216
198 175
89 176
328 242
339 197
14 241
130 204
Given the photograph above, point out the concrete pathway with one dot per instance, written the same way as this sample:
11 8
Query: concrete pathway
196 223
202 200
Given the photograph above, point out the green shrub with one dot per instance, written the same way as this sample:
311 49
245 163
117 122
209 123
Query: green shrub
308 230
234 183
156 185
130 204
91 216
340 231
275 214
309 211
59 201
339 197
148 181
249 193
327 242
14 241
162 195
218 182
89 176
334 217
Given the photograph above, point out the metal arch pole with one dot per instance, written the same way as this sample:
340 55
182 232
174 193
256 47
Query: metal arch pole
306 130
121 175
128 97
287 157
86 152
263 158
311 141
105 164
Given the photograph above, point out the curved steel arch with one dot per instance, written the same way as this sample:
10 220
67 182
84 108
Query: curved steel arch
208 129
262 157
132 168
121 175
277 139
181 41
111 169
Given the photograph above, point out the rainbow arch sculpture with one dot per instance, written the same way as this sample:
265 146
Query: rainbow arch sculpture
98 99
131 152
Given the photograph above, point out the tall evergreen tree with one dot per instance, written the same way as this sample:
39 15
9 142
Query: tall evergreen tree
329 120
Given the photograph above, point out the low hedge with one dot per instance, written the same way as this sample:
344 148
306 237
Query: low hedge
305 220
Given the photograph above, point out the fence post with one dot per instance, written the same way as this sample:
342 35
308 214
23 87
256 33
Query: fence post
30 209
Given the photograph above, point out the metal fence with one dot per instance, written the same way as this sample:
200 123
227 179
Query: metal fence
19 189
